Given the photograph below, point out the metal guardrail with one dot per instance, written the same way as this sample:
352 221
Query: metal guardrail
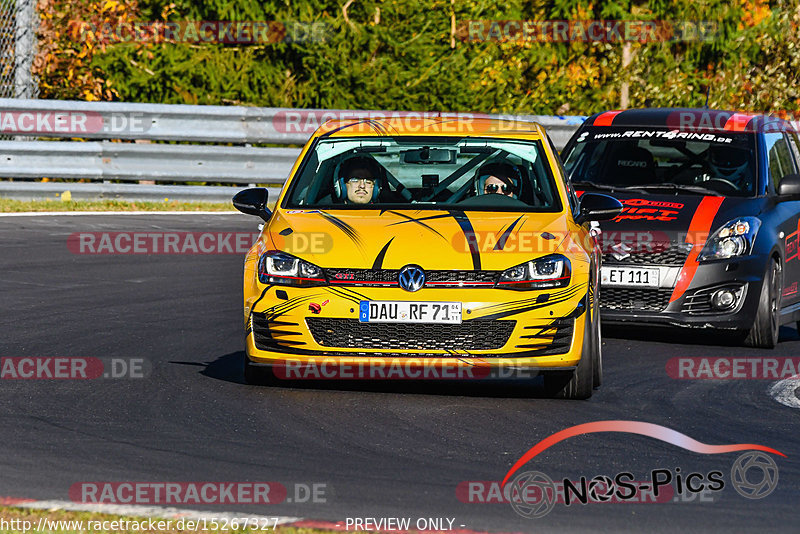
166 122
125 161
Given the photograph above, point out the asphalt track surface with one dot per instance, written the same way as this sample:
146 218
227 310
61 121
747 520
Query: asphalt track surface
381 449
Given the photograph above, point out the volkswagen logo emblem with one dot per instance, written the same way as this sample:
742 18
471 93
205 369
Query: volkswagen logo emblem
411 278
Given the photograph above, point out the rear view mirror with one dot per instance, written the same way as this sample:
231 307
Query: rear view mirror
429 155
789 188
596 207
253 201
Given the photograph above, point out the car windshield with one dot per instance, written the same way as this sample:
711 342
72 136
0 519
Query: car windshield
656 160
425 172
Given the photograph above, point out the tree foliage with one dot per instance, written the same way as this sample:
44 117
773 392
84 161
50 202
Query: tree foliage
403 54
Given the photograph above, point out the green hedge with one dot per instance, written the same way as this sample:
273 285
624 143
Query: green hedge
398 55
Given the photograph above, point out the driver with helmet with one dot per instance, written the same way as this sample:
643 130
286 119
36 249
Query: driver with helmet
728 164
498 178
359 181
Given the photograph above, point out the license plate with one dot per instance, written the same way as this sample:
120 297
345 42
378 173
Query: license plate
629 276
391 311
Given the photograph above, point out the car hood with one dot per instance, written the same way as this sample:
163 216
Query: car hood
673 218
433 239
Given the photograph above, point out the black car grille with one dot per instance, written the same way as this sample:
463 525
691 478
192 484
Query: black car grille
476 334
388 277
699 302
274 334
624 298
674 255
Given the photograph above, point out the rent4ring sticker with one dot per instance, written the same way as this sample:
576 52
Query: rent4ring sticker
392 311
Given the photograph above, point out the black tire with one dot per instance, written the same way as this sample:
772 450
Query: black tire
764 333
577 384
597 339
258 375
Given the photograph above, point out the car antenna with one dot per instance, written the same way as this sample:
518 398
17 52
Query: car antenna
708 92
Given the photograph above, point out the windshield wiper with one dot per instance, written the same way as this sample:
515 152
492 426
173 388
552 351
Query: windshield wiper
604 187
680 187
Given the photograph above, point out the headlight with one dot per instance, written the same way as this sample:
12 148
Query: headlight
734 238
543 273
276 267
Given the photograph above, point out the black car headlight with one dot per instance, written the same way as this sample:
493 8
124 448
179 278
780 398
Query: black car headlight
276 267
734 238
542 273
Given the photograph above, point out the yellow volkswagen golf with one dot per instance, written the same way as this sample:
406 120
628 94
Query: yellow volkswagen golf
426 249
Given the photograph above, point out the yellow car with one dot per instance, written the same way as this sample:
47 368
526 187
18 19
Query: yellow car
426 248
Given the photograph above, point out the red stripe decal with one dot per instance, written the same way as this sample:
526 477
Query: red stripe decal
606 118
699 229
738 122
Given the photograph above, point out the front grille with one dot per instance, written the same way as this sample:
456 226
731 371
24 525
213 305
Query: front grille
624 298
388 277
699 302
274 334
673 255
476 334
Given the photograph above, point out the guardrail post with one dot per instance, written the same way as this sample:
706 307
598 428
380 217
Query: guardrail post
24 48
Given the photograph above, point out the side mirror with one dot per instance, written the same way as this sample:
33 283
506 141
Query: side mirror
596 207
253 201
789 188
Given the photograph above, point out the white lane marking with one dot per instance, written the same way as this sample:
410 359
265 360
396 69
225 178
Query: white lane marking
783 391
152 511
52 213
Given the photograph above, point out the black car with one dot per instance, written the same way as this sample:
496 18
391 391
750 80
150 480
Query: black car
709 232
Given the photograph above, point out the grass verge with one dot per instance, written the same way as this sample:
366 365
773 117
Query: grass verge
8 205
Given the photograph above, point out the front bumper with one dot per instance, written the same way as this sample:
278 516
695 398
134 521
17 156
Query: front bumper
693 308
500 329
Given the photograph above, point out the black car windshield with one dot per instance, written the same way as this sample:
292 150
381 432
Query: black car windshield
425 172
662 160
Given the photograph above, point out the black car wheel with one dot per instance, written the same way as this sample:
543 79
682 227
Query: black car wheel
764 333
577 384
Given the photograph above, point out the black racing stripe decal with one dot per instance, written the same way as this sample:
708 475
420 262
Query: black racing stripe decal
410 219
428 218
263 293
570 291
515 310
335 291
503 238
374 125
469 233
511 313
286 231
277 311
348 230
378 263
348 293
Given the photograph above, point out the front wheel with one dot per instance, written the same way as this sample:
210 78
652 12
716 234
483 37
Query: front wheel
579 383
764 333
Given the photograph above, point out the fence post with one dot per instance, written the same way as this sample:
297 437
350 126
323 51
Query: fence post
24 49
